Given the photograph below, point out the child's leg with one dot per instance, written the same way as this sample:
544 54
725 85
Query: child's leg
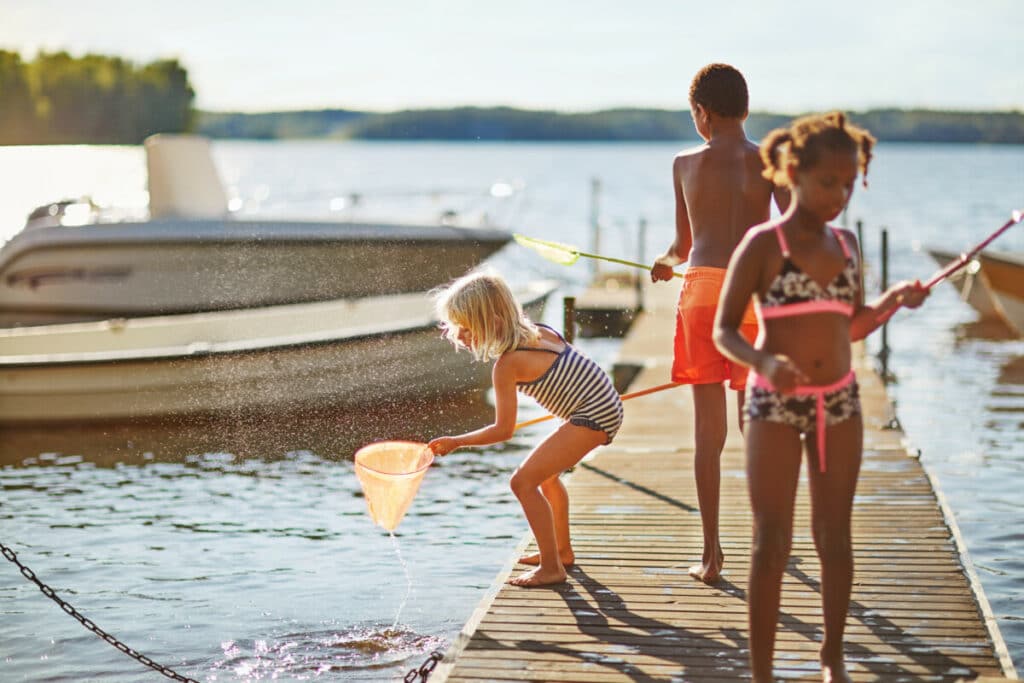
709 434
560 451
558 498
741 416
832 495
773 468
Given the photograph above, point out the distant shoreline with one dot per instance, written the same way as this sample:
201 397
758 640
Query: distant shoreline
506 124
95 99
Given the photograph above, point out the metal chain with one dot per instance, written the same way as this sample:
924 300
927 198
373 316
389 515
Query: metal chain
423 673
134 654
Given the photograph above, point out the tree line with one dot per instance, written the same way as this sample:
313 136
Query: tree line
97 99
94 99
509 124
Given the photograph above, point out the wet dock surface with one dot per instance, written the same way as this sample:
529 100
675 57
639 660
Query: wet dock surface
630 612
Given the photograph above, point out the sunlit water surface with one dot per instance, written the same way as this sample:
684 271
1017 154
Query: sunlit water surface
244 552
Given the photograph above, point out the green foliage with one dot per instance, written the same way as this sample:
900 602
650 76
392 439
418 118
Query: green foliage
504 123
508 124
325 123
96 99
17 106
58 98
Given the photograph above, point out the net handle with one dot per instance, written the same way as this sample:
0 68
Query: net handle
624 397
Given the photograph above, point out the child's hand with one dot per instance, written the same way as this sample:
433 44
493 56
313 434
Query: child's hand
912 294
661 272
783 374
443 445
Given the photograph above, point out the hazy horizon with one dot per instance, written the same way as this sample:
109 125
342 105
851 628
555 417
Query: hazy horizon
269 56
1010 110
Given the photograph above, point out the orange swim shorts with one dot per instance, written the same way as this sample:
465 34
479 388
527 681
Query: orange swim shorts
697 360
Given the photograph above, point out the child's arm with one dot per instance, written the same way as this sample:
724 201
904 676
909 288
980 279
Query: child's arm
505 407
741 281
870 317
679 250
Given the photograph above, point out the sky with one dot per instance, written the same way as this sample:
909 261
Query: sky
566 55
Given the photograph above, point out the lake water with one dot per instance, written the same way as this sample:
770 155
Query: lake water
244 552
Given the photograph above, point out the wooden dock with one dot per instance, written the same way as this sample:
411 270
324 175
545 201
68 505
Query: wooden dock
630 612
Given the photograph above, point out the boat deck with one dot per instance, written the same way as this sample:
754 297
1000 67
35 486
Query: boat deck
630 612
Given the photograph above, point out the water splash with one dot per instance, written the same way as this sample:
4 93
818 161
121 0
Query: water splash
357 652
408 578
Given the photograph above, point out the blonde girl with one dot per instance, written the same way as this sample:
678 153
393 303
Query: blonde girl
478 312
805 277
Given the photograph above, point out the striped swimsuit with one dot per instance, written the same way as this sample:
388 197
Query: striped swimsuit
577 390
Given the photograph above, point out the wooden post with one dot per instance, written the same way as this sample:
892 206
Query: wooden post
883 355
595 223
641 241
569 318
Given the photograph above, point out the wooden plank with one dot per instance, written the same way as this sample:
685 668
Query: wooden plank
630 611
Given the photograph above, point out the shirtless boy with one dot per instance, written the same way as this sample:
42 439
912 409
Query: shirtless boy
720 192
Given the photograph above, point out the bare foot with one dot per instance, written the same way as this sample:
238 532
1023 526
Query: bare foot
568 559
710 568
835 673
538 577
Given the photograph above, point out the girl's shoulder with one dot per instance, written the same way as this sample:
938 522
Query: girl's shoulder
551 339
761 235
849 236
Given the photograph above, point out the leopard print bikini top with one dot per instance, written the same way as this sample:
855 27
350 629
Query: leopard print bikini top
794 292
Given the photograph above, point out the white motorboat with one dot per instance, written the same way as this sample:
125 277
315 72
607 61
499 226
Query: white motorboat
191 254
358 352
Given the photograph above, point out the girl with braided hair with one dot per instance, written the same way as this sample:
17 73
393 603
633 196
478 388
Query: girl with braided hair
805 277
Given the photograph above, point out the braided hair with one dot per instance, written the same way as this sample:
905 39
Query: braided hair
801 145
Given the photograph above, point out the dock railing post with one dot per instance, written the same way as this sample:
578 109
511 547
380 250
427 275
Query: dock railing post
883 354
569 318
641 240
595 222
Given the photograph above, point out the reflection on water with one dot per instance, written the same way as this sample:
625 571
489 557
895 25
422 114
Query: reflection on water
1012 372
242 549
961 401
331 434
297 656
989 329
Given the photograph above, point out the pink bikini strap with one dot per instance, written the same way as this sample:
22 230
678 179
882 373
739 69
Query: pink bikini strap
783 244
842 242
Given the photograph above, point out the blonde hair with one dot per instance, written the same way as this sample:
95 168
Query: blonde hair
483 304
801 145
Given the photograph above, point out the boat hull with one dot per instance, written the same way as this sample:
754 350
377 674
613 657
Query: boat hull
377 351
63 274
1003 273
972 288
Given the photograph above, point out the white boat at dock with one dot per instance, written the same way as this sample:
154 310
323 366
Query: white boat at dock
354 352
191 254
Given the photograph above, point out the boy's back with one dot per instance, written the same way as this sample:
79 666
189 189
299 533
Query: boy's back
724 194
719 194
